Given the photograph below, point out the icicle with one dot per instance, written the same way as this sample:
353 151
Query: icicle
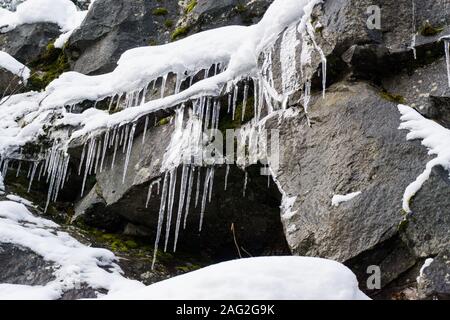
130 147
447 58
162 209
172 185
105 148
41 171
88 163
163 85
414 36
18 169
229 102
211 184
184 182
145 129
244 102
189 194
125 138
245 183
150 191
82 159
197 194
98 156
33 172
116 142
204 198
29 171
226 176
235 97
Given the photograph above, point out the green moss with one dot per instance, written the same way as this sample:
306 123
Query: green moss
163 121
402 225
169 23
47 67
240 8
188 268
180 32
152 42
191 5
428 30
392 97
160 11
228 122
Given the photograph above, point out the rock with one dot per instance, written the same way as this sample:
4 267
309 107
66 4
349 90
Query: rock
208 14
28 41
22 266
434 281
9 83
355 140
112 27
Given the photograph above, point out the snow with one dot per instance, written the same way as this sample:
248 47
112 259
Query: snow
12 65
434 137
60 12
338 199
75 264
18 199
64 13
264 278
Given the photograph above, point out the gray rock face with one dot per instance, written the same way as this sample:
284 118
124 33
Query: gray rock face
28 41
354 140
434 283
9 82
22 266
112 27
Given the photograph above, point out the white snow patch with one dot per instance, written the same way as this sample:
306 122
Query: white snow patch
12 65
264 278
2 185
338 199
75 263
18 199
425 265
435 137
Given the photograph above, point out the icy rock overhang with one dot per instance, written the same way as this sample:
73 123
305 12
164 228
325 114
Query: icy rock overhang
234 54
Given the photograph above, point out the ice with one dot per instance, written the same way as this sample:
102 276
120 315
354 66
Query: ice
130 146
183 189
447 57
434 137
162 209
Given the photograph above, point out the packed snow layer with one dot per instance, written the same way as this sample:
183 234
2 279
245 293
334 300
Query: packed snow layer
12 65
434 136
75 263
64 13
61 12
338 199
264 278
235 49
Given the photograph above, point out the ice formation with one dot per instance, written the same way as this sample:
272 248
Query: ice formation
437 140
226 57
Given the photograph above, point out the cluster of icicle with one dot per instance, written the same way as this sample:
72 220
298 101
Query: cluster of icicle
111 133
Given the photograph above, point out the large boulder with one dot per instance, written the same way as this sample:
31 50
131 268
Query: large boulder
112 27
28 41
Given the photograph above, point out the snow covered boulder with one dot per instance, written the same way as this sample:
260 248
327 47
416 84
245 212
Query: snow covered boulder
266 278
13 75
433 281
27 42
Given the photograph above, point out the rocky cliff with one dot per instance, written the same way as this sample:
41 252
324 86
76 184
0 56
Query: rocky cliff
339 141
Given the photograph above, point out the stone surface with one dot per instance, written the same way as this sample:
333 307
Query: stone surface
112 27
28 41
434 283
